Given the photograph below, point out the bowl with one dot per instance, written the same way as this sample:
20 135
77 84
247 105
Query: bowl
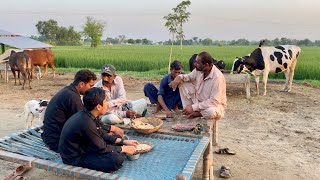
125 137
133 157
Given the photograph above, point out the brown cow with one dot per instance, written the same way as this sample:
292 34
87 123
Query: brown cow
20 62
41 57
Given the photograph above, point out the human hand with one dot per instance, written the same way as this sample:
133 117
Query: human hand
116 130
168 114
187 110
174 84
130 114
130 150
130 142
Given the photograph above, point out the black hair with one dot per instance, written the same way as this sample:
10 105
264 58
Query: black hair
85 76
92 97
176 65
206 58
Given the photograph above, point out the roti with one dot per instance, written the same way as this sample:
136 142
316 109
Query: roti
142 125
143 147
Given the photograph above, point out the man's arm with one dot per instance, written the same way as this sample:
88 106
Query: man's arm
163 83
91 134
164 106
183 78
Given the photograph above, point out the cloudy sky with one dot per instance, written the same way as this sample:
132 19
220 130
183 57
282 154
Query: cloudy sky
216 19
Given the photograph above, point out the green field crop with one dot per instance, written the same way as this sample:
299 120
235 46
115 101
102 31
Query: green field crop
156 58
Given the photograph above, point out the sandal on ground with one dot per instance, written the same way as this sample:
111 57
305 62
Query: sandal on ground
20 170
20 178
13 176
225 151
225 172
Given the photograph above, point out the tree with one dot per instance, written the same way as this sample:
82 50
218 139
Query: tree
131 41
58 35
174 22
195 40
206 42
122 39
171 24
138 41
48 29
93 29
181 16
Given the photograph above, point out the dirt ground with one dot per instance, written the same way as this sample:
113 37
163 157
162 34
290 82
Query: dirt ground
275 136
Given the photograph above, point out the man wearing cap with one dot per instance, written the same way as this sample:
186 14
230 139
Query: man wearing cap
119 106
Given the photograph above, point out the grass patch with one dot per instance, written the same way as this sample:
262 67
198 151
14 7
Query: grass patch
150 60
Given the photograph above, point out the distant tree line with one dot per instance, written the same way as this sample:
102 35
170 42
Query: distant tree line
93 29
242 42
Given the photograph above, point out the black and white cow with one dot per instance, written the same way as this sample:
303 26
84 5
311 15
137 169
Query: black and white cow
265 60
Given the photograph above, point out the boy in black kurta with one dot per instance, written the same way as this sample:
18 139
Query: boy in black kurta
84 142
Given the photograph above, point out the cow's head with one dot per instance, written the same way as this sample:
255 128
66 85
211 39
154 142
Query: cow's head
220 64
237 66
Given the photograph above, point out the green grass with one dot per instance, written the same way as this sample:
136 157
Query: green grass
153 60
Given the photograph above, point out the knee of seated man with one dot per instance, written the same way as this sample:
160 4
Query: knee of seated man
147 87
210 113
116 161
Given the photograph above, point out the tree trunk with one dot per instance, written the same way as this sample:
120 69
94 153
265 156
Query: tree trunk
181 36
170 53
181 41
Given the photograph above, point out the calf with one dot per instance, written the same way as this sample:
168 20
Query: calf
218 63
35 109
20 62
265 60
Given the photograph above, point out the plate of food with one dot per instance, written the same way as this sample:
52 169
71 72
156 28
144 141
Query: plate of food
144 147
146 125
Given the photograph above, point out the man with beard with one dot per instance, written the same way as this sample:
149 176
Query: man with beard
203 91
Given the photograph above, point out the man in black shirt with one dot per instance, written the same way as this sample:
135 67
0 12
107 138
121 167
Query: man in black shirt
85 143
64 104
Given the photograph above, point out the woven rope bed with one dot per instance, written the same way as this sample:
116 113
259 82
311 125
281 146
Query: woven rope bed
170 156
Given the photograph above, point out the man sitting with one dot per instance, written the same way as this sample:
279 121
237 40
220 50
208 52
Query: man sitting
203 91
85 143
119 106
165 97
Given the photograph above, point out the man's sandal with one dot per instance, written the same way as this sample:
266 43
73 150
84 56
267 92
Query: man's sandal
225 151
17 174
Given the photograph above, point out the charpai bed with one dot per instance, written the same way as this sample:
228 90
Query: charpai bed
171 155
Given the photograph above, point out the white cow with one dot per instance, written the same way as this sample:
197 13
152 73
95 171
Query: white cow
265 60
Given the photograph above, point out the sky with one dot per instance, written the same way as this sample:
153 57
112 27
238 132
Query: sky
215 19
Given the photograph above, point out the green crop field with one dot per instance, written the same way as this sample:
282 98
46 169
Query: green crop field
155 58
